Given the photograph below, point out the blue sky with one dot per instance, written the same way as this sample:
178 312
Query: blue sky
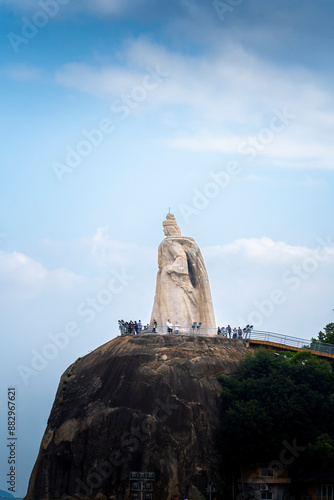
114 111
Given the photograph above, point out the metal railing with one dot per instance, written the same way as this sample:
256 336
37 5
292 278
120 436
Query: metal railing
181 330
199 330
287 340
194 329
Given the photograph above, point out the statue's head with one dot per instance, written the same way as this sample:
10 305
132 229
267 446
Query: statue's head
170 226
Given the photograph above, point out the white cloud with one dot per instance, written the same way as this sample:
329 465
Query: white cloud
22 72
265 250
23 5
243 275
111 7
246 274
108 252
107 82
23 277
222 100
204 141
102 7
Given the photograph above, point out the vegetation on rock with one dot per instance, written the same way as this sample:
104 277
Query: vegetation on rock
328 336
278 398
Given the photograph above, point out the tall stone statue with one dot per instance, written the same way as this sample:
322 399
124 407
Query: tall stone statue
182 291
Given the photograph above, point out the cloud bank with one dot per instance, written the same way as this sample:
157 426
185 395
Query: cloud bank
240 105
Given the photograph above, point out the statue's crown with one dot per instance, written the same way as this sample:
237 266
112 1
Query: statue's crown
170 220
170 226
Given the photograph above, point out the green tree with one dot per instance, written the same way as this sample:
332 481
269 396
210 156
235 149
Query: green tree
275 398
322 451
328 336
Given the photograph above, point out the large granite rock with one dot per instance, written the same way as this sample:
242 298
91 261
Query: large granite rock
137 403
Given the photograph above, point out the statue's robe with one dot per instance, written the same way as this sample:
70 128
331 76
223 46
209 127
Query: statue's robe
182 290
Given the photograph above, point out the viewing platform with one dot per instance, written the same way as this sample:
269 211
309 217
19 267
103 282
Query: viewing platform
289 343
253 338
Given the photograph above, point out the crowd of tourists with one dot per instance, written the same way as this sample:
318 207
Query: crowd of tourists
136 328
235 333
131 327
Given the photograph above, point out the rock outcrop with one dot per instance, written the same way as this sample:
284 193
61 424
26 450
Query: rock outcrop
138 403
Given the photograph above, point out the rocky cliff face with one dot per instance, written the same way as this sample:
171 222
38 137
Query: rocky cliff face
138 403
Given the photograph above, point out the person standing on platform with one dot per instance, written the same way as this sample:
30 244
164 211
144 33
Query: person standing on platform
169 326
